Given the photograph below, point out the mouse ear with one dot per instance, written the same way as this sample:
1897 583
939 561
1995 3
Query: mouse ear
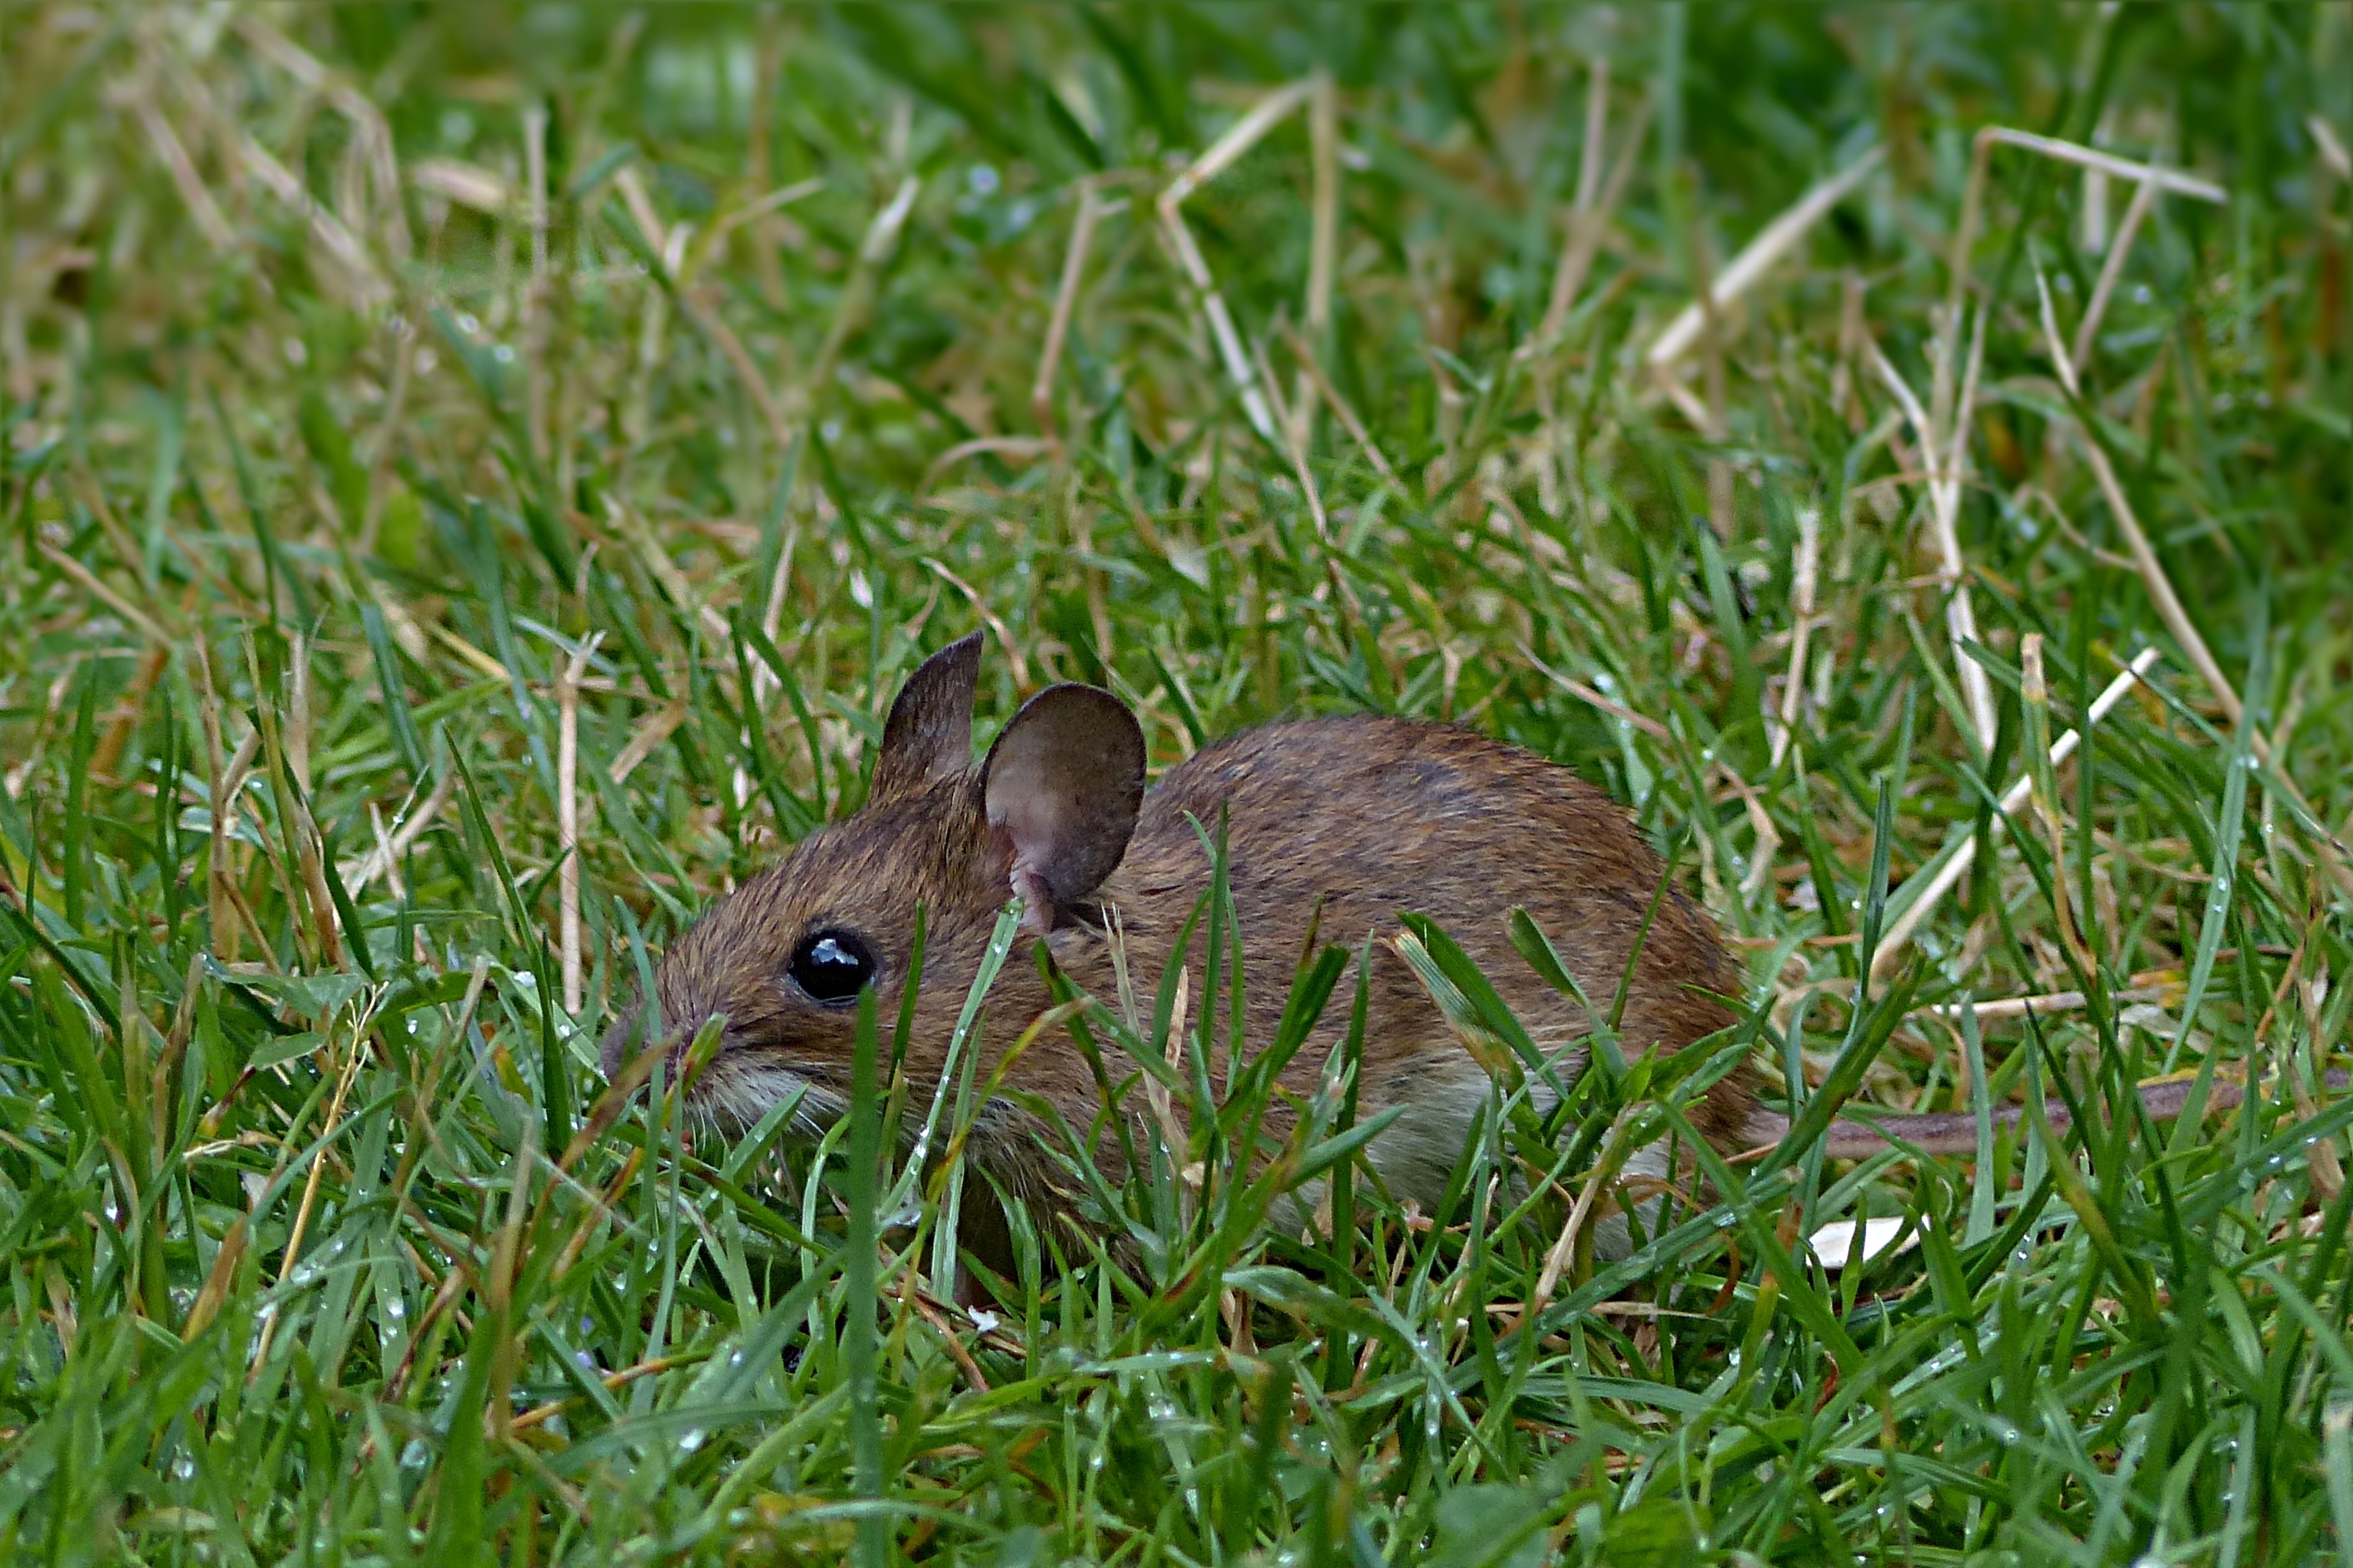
928 736
1063 784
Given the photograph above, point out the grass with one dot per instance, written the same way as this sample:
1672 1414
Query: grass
348 509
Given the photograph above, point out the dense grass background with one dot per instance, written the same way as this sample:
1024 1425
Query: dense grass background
325 461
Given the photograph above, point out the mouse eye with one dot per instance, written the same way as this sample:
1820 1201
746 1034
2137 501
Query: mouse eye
832 966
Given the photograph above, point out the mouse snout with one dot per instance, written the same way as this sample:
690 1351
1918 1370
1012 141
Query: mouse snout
630 1034
621 1042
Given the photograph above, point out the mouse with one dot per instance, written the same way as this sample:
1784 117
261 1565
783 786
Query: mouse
1333 825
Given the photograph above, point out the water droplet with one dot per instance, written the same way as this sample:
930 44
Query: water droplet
690 1439
468 323
504 354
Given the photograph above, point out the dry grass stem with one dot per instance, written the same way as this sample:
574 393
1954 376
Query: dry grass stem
129 612
1597 129
1563 1250
668 244
1585 693
634 527
357 269
1220 154
1156 1095
392 879
1804 568
1354 426
1222 323
2051 1002
2034 696
1945 873
752 211
1774 240
700 310
1018 447
535 302
881 239
372 132
2332 147
1237 138
1324 240
671 247
1965 231
1294 449
384 858
185 179
651 731
2170 180
1589 224
2153 576
2160 586
1066 299
352 1055
567 818
1952 567
2144 199
467 184
1014 659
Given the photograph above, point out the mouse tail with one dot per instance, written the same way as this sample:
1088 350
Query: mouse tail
1956 1131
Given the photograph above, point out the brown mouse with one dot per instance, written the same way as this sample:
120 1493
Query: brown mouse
1342 822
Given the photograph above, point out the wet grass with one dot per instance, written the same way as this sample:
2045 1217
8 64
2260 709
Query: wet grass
419 419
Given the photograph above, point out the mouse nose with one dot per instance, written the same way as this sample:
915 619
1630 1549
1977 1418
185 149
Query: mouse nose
632 1031
624 1040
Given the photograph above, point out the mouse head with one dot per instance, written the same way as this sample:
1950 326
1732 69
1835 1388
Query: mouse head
1045 816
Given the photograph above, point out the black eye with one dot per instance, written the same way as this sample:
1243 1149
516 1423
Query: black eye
832 966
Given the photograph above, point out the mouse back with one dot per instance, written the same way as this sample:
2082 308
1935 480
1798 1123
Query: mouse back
1336 825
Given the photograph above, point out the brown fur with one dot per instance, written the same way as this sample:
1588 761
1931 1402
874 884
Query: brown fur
1342 822
1334 827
